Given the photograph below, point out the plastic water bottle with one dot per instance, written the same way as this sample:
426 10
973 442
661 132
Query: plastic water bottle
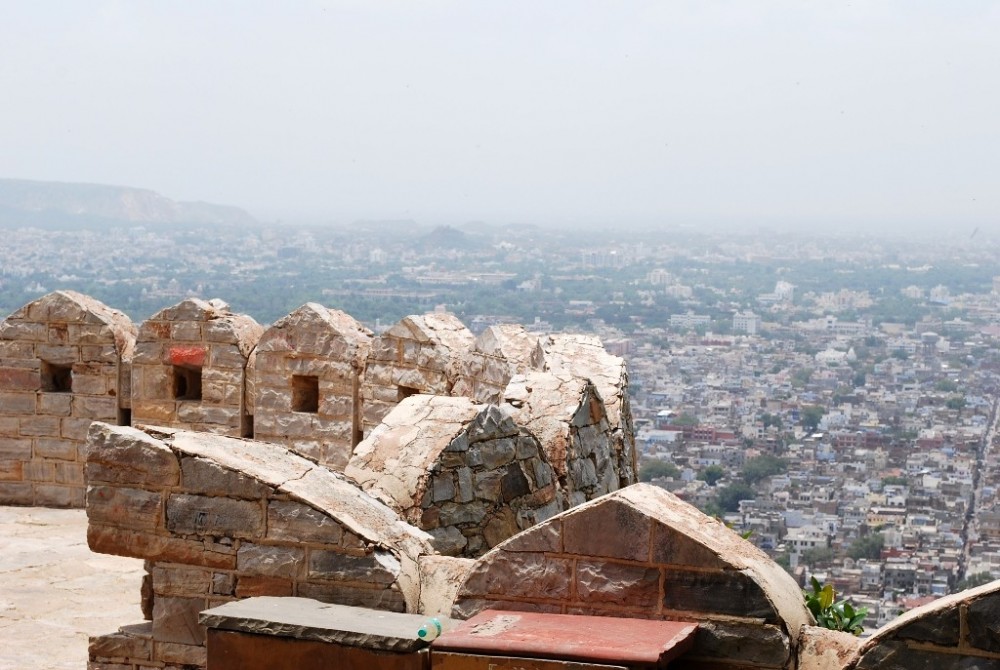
430 630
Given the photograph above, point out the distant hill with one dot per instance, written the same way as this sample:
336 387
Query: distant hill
58 204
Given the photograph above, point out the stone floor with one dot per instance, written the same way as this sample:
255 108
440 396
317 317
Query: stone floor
54 592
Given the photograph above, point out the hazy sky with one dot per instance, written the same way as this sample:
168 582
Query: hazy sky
816 113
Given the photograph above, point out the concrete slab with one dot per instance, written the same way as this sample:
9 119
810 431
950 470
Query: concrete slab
55 592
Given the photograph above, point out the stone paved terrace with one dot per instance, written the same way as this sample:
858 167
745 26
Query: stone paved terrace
54 592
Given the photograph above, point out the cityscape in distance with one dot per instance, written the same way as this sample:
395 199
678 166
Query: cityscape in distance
831 397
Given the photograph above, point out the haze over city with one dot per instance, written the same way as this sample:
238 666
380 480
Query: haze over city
875 116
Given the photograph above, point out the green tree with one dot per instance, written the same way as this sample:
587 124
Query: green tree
974 580
816 556
868 546
762 467
955 402
654 469
685 419
712 474
730 496
811 416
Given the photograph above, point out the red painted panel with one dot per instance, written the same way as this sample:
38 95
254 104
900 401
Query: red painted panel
570 637
191 356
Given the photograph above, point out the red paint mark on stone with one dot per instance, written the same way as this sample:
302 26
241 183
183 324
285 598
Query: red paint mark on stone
191 356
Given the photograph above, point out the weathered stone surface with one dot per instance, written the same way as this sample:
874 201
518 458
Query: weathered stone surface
123 542
122 455
249 586
181 581
199 475
306 619
717 592
620 584
254 559
983 621
124 507
742 642
822 649
333 592
176 620
292 521
380 567
181 654
614 530
222 517
124 646
521 575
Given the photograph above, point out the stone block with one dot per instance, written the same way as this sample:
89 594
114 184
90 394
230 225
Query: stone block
527 575
57 354
223 583
19 379
123 455
673 547
632 586
54 404
940 627
59 449
727 592
14 403
500 527
39 470
11 471
375 598
379 567
218 517
609 530
270 561
295 522
74 429
182 581
176 620
99 409
69 473
12 448
124 507
249 586
183 655
59 496
17 350
735 642
185 330
982 619
122 645
16 493
469 513
90 384
24 332
443 487
40 426
202 476
138 544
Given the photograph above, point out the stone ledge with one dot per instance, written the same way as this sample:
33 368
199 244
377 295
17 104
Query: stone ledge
306 619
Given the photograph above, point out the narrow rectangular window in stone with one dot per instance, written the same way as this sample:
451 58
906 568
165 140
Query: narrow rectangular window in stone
404 392
57 378
187 383
305 394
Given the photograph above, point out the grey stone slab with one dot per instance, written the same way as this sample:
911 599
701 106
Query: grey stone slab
307 619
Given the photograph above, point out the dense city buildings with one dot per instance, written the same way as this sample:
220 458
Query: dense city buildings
833 399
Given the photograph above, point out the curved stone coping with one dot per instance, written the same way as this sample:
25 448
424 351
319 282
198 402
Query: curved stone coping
946 632
393 462
307 325
290 473
306 619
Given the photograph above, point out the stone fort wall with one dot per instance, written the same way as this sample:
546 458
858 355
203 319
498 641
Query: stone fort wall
316 382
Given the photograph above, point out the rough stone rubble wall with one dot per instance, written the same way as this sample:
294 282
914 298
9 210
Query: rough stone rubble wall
417 355
319 345
466 473
567 416
219 519
584 356
45 413
641 552
202 336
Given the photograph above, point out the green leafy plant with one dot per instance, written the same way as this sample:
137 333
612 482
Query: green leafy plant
832 613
